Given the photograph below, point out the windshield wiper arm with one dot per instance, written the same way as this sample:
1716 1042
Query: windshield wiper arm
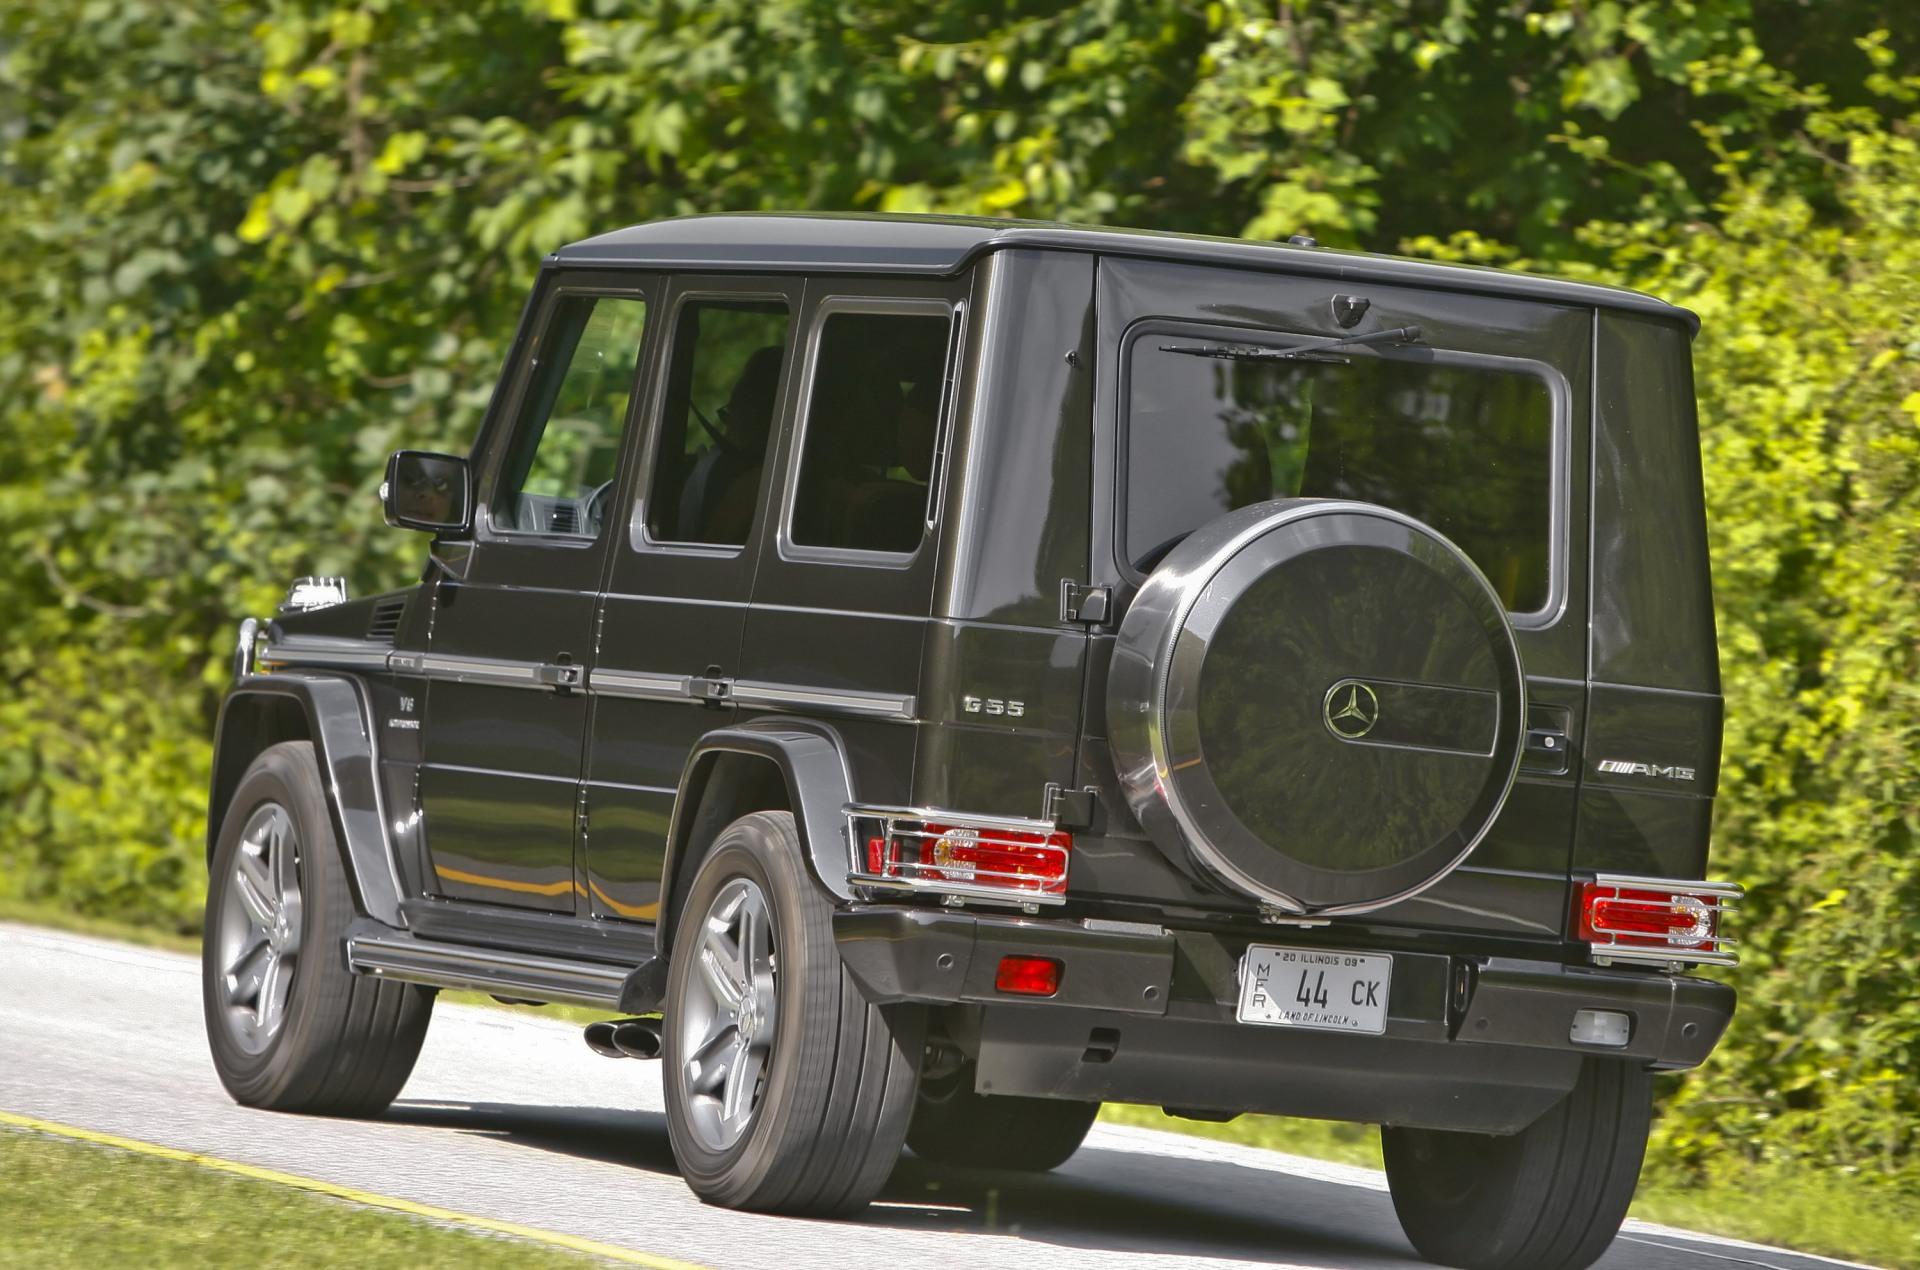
1257 353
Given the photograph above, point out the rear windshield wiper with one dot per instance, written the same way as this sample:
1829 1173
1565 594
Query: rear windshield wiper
1258 353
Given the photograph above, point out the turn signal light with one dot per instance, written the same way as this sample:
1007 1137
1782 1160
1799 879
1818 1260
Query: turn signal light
1028 976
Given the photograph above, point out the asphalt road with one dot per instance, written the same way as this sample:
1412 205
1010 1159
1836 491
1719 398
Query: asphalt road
511 1117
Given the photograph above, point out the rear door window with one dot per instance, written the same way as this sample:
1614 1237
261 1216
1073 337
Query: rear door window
1466 443
722 395
875 400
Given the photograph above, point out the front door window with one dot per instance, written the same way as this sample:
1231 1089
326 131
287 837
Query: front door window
558 475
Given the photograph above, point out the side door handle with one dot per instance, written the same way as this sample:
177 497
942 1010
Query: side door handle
564 676
712 688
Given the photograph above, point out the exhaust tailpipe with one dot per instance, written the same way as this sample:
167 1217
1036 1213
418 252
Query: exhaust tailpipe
600 1040
624 1038
637 1038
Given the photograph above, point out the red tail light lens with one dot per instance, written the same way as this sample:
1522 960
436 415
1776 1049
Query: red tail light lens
997 857
1636 917
962 858
1028 976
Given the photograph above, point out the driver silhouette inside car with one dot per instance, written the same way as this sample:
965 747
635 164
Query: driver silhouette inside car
717 502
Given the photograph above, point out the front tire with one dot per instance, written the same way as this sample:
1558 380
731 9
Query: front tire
1550 1197
290 1027
954 1124
786 1090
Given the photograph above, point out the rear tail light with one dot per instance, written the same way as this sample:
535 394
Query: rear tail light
1028 976
1654 920
1023 862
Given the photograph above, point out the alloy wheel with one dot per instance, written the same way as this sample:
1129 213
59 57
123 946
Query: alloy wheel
726 1023
259 933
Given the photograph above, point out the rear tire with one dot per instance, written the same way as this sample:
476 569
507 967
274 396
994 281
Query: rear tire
954 1124
1550 1197
290 1027
828 1079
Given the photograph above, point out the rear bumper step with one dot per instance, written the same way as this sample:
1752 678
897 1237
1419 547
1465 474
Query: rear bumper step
1145 1015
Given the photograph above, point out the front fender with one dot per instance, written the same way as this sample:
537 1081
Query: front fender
813 766
332 711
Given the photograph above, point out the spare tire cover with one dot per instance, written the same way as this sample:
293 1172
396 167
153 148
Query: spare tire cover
1317 703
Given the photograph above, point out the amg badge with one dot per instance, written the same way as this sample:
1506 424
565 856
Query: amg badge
1661 771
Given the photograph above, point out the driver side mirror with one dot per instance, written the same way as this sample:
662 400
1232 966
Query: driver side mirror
428 491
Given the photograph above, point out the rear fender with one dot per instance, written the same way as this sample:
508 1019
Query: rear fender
727 775
331 711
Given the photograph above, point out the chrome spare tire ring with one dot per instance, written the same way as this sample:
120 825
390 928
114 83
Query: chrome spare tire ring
259 928
726 1022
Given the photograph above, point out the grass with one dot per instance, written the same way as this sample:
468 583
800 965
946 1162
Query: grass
1805 1210
1321 1139
35 913
79 1206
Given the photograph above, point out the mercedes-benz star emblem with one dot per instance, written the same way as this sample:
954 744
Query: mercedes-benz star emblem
1351 710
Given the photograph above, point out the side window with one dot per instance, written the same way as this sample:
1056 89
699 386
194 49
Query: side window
558 475
722 392
873 415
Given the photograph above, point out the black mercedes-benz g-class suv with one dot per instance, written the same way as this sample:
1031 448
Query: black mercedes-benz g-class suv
938 675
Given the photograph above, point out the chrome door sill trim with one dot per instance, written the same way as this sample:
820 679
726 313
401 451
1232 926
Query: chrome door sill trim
489 970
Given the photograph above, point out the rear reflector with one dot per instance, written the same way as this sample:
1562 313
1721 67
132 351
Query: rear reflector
1028 976
1652 919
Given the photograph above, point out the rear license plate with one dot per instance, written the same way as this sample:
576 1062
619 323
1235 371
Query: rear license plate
1314 988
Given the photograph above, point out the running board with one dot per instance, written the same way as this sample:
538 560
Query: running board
487 970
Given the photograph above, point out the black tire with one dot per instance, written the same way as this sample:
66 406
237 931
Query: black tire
955 1124
836 1085
344 1044
1550 1197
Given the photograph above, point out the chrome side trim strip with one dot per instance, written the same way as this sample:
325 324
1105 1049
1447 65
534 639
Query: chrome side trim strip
481 670
637 685
313 651
879 705
485 970
640 685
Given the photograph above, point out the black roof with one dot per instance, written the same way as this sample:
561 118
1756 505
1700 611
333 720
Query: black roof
857 243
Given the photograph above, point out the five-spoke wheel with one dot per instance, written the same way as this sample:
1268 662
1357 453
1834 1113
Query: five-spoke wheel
258 932
289 1025
726 1023
786 1090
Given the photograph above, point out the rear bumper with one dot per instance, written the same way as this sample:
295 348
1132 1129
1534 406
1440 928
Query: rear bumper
1146 1015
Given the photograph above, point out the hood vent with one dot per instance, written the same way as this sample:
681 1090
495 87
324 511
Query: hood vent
386 619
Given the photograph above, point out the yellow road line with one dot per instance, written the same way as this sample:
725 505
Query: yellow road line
553 1238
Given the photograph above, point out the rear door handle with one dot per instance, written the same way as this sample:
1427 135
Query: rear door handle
563 676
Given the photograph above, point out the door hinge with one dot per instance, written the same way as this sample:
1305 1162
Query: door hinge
1068 808
1080 602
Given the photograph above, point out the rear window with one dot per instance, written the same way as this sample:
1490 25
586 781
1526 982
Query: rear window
1462 442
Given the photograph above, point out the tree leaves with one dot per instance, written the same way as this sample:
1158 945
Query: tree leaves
252 245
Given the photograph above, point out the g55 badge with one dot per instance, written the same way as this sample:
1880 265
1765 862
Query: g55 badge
993 705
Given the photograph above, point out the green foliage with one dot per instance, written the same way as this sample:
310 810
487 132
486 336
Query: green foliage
253 245
73 1205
